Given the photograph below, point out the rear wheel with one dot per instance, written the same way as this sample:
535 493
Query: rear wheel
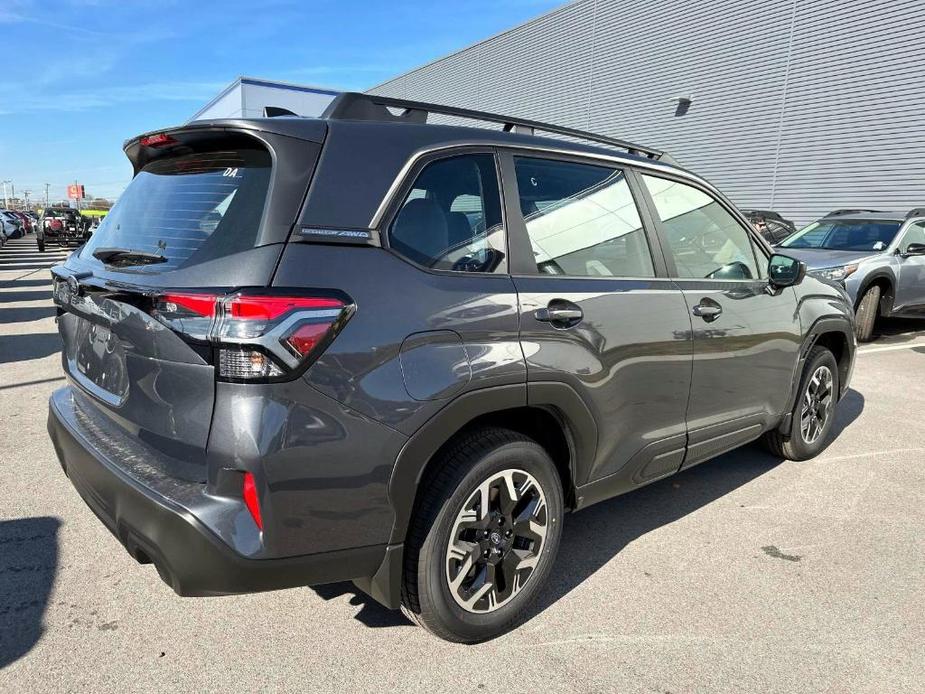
484 536
866 315
813 414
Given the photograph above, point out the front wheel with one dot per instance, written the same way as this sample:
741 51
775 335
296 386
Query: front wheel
813 414
866 315
483 538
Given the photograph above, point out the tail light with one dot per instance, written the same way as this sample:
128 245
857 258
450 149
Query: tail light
257 336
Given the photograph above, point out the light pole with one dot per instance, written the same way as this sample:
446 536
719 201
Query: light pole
6 199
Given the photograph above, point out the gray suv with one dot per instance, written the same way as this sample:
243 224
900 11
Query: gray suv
364 347
878 257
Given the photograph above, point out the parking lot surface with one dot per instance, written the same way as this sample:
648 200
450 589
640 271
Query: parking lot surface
747 573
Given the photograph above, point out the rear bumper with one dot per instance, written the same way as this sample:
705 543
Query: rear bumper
188 556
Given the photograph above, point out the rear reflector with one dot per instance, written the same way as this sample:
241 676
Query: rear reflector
249 492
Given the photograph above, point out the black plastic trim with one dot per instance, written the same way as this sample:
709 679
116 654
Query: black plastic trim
827 324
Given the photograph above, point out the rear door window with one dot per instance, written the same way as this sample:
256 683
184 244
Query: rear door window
582 219
189 208
451 218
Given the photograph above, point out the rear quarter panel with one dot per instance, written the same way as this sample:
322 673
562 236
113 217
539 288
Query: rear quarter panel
459 331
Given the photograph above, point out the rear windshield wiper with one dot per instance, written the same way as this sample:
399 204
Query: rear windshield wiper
127 256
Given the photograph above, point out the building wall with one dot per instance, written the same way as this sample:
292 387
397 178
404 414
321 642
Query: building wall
801 106
246 98
228 104
305 102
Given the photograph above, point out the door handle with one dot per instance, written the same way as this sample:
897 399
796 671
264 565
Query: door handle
708 310
561 313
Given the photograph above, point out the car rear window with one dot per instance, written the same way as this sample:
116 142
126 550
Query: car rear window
189 208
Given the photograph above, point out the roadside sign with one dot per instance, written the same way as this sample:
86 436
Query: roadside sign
75 191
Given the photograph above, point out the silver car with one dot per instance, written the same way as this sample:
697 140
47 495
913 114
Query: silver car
878 257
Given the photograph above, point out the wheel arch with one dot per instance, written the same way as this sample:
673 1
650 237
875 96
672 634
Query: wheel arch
836 333
887 282
551 413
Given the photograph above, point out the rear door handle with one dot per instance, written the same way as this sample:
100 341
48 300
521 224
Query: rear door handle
707 309
559 313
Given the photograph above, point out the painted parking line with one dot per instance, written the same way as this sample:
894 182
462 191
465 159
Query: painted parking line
891 348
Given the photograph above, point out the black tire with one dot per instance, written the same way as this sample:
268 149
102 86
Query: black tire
41 243
793 445
468 463
866 315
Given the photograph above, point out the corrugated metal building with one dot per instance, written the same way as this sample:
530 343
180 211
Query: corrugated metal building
800 106
246 98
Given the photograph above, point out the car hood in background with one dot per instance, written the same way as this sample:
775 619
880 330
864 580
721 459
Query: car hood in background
816 258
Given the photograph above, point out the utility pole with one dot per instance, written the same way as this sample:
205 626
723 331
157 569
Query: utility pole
26 194
47 185
6 198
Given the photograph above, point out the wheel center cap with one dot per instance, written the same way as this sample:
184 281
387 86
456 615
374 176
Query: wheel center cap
495 538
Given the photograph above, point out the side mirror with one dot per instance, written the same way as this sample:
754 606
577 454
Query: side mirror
785 271
915 249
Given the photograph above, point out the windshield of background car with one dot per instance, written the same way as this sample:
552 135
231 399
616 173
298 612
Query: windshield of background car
189 208
844 235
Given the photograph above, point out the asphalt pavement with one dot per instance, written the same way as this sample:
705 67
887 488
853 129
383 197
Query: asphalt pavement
745 574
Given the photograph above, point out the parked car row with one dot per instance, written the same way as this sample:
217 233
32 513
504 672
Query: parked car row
15 224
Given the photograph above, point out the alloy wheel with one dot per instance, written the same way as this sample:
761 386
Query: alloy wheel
817 404
496 541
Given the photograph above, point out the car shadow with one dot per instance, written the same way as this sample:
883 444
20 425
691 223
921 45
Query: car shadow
15 348
25 314
896 331
28 564
371 613
6 284
606 528
28 295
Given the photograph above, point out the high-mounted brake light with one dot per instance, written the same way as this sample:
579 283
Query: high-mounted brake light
159 140
259 336
249 492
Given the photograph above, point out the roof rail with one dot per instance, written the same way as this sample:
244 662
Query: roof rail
359 106
840 213
916 212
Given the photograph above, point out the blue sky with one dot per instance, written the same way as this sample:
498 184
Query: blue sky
77 77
